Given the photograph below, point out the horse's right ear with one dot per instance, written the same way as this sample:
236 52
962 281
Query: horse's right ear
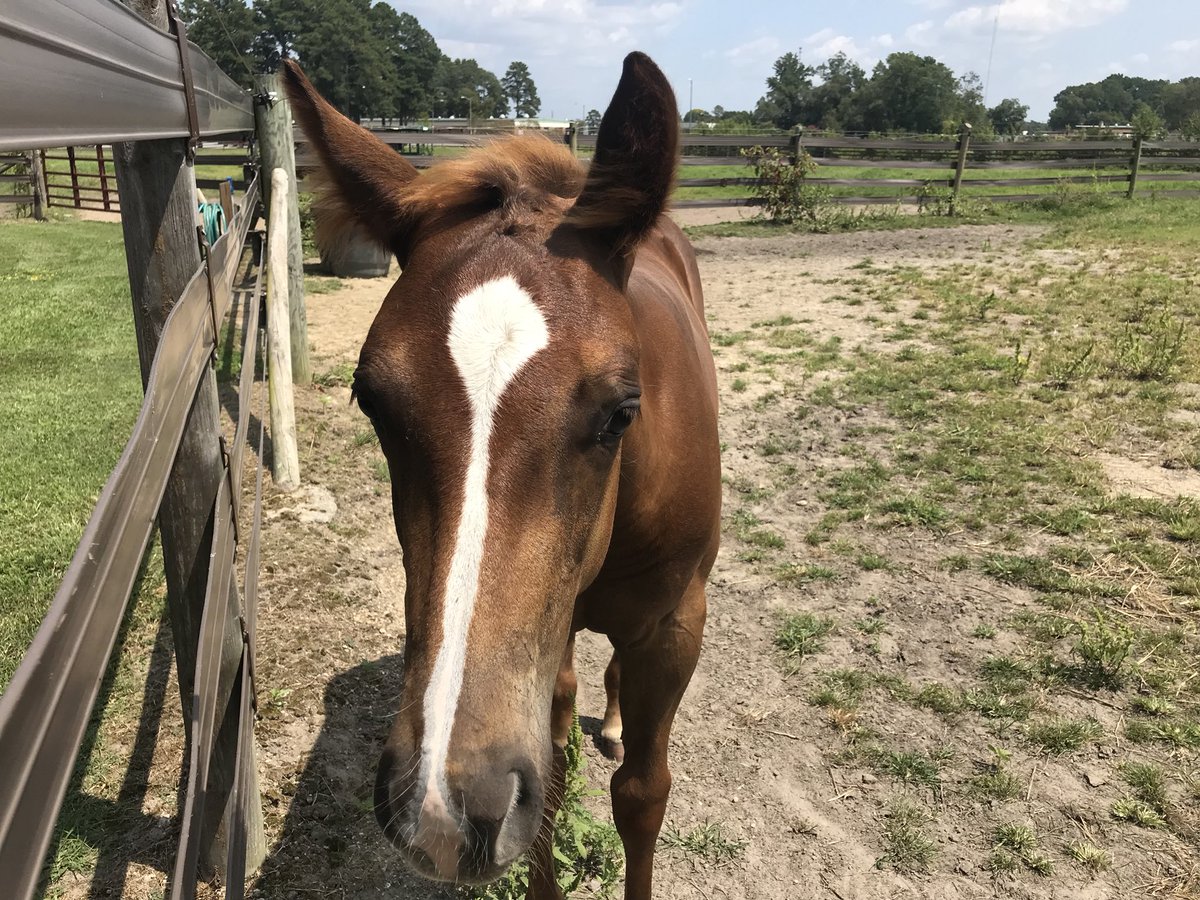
633 171
362 179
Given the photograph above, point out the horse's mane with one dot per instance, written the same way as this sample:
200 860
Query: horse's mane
516 175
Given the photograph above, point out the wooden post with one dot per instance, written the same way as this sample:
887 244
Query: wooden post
227 201
37 173
1135 163
74 175
273 126
103 170
162 252
964 143
285 459
573 137
797 146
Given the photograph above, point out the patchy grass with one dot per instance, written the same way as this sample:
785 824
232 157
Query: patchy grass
800 636
906 846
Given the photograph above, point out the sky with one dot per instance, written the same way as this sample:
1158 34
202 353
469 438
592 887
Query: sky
720 52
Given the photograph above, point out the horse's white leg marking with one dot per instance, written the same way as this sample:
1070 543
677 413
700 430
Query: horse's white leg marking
494 330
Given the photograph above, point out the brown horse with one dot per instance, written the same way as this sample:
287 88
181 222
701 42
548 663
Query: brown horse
541 383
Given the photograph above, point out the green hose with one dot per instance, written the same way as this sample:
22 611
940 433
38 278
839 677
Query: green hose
214 221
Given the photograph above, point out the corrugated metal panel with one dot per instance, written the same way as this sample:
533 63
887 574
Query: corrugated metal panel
92 71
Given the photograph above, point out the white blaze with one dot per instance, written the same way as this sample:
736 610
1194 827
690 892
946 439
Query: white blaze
494 330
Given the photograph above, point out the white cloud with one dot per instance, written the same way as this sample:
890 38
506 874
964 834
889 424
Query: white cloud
1184 46
1035 18
921 34
755 52
1140 58
588 32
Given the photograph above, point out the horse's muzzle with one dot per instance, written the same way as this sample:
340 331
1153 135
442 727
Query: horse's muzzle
469 830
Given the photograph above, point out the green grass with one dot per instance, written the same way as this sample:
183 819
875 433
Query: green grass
802 635
70 390
906 847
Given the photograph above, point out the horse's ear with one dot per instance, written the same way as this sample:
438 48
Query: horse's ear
362 179
633 170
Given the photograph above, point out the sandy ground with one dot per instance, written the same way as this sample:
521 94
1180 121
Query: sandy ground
748 751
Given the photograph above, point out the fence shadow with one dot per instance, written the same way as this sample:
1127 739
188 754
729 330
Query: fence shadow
330 844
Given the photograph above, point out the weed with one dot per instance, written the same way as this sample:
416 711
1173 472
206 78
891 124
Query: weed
984 631
1137 812
1148 784
911 768
739 385
802 635
803 573
1151 352
707 842
1003 673
842 688
746 528
1152 706
1017 843
907 847
1089 856
940 699
871 626
1054 737
873 562
997 785
1103 649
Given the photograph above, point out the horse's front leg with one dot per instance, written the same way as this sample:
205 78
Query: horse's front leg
542 883
654 674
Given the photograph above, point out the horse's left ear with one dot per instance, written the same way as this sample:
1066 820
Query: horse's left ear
633 170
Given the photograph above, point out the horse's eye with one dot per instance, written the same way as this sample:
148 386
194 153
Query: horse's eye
620 420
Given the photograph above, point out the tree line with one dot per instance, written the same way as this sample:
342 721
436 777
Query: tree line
368 59
907 92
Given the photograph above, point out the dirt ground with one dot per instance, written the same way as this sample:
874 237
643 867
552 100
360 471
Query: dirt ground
748 752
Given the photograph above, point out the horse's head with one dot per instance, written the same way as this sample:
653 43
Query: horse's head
501 375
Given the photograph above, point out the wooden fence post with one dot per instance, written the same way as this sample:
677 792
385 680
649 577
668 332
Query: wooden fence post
285 460
573 137
158 189
1135 163
797 146
37 172
964 143
277 150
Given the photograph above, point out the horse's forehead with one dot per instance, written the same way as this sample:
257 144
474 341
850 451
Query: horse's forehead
419 327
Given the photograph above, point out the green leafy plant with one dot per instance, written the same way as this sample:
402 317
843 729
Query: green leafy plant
586 850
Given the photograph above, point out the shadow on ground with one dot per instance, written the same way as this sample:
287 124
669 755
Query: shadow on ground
330 844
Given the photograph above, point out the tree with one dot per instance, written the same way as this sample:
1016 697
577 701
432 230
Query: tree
462 87
697 115
1191 127
910 93
1008 116
519 90
1180 101
231 33
592 121
833 102
788 93
1147 124
411 56
970 108
1111 101
342 54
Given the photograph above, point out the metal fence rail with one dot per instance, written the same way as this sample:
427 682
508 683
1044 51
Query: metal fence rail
104 74
45 709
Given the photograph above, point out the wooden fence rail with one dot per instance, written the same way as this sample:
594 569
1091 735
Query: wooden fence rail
1124 164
